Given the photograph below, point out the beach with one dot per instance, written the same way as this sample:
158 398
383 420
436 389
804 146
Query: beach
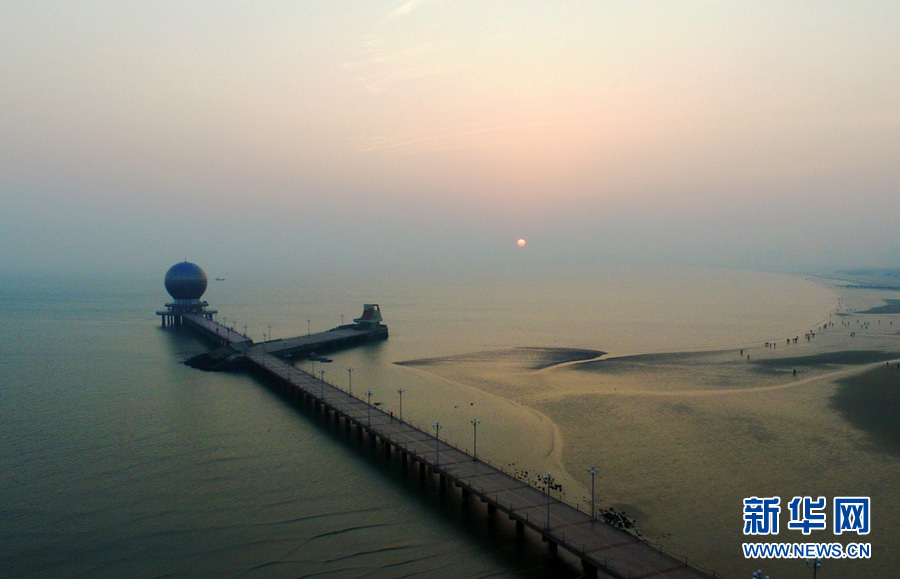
807 414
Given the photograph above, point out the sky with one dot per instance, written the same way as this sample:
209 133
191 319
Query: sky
436 133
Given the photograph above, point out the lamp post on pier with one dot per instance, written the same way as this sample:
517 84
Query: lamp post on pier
475 423
593 470
350 379
400 391
369 408
437 444
548 479
814 564
322 375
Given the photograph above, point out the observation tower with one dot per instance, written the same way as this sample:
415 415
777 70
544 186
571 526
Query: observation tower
186 283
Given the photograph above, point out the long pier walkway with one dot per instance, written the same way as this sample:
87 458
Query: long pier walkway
598 545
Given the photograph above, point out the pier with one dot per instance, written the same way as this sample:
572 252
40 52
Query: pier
598 545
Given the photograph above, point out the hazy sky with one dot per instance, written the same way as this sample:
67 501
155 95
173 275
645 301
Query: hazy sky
438 132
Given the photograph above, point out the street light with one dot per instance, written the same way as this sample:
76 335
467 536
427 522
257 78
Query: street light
475 423
814 564
270 330
307 326
437 443
593 470
548 479
400 391
350 378
369 409
322 374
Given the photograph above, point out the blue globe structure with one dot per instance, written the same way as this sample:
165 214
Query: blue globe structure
186 282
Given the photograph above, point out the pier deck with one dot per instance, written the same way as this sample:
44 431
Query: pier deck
323 341
337 338
224 335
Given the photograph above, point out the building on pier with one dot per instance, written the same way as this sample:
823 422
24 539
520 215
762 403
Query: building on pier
186 282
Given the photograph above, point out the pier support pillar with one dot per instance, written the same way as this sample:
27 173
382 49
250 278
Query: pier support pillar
403 459
520 530
443 484
359 430
492 510
551 545
421 470
590 571
465 497
387 449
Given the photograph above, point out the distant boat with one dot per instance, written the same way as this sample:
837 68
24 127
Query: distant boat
220 279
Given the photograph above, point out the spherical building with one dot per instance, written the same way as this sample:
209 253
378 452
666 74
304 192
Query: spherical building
186 281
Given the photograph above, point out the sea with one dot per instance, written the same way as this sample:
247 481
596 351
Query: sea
118 460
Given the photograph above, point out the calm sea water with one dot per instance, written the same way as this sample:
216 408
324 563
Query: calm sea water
118 460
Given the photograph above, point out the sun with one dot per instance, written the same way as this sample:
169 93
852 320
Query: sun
521 243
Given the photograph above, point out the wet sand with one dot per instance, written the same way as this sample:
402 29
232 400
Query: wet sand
870 401
682 438
890 307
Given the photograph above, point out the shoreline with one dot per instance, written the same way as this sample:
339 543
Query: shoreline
505 440
712 417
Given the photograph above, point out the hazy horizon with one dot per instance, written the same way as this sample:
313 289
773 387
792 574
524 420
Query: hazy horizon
430 133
